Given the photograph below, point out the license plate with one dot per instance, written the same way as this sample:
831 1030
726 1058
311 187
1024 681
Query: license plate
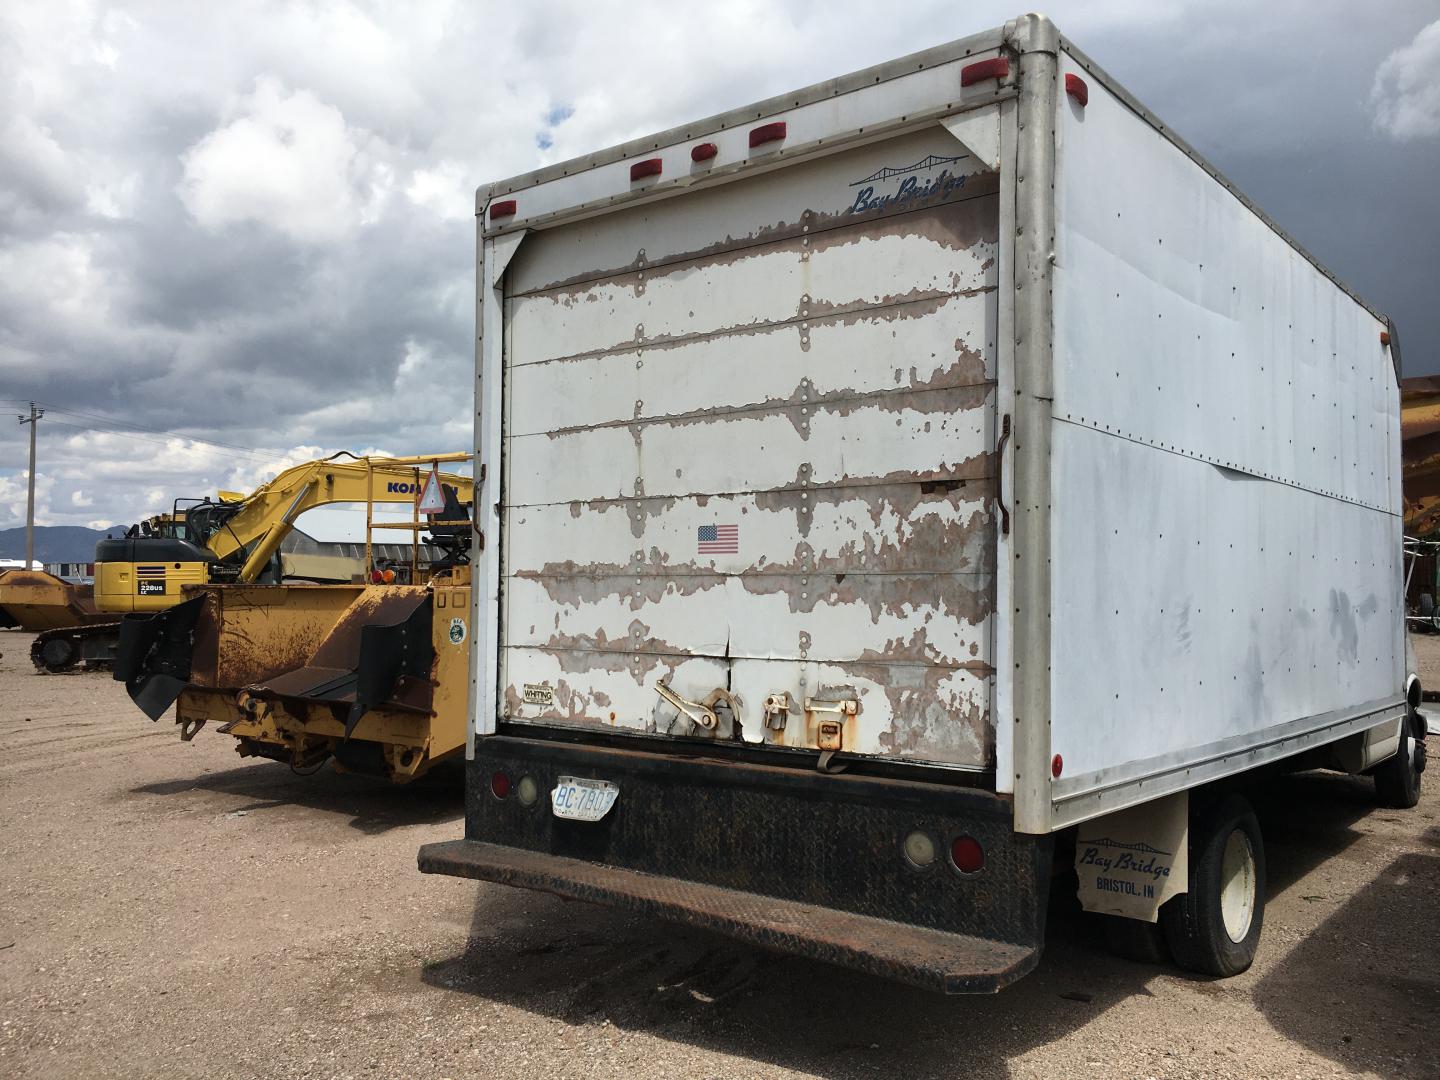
583 800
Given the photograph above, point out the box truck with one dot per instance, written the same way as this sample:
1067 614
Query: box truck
899 491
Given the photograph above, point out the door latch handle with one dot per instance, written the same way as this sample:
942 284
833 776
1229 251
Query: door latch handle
696 712
843 708
1000 476
701 713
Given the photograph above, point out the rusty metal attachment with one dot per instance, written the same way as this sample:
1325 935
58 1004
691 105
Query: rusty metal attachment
701 713
696 712
830 729
777 710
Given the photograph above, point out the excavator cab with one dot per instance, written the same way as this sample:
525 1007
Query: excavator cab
148 568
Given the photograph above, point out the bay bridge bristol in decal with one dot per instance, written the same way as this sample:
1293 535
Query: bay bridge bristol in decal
874 193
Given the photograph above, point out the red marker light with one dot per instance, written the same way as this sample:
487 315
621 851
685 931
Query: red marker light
1384 337
499 785
967 855
1057 766
767 133
502 209
704 152
996 68
1076 88
648 167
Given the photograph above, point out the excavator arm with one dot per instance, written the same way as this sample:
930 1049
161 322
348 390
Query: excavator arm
268 514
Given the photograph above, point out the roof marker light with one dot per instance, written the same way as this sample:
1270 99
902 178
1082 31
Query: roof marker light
502 209
995 68
1076 88
1384 337
767 133
648 167
704 152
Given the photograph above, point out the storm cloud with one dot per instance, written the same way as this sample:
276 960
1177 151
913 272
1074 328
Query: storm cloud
252 223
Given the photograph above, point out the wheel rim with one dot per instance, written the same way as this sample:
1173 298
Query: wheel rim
1237 886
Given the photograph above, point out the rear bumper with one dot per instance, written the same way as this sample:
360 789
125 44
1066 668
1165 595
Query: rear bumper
934 959
787 859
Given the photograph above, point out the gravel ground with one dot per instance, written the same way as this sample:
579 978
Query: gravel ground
168 910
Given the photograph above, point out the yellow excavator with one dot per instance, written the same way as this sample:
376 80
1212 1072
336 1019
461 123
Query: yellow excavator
235 539
372 675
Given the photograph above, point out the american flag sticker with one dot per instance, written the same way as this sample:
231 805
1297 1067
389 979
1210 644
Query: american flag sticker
718 539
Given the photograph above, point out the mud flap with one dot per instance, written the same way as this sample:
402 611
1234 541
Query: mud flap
154 654
387 654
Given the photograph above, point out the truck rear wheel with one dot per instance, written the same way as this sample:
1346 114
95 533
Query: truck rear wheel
1214 929
1397 780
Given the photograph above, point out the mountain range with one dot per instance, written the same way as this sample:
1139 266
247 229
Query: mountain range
53 543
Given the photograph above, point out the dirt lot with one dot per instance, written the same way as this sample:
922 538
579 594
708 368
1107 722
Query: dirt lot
168 910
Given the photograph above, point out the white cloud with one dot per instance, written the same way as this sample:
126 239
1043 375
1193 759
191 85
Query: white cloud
79 498
252 222
288 161
1406 93
446 191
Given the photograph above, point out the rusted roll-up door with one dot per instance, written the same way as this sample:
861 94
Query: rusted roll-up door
749 453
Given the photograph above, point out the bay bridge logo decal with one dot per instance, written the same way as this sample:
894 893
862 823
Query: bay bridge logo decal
911 188
1141 859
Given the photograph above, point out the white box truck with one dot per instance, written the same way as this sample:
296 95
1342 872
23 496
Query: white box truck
891 487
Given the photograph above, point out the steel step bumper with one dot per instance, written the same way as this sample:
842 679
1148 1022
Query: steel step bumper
937 960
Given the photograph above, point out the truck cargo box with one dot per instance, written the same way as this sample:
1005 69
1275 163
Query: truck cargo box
952 422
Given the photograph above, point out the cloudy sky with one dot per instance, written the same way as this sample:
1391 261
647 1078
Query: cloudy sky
251 223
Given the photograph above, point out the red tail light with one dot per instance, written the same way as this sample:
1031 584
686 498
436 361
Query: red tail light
499 785
967 855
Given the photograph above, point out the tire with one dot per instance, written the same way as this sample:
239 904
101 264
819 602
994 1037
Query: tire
1397 779
54 654
1227 892
1132 939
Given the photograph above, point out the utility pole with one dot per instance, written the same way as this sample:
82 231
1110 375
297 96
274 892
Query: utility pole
34 421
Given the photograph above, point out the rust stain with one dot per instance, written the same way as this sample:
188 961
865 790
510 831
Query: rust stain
913 303
919 543
978 188
959 388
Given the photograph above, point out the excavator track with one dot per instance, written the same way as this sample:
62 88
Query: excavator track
54 652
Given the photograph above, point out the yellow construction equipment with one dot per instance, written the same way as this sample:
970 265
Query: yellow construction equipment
35 600
233 539
373 676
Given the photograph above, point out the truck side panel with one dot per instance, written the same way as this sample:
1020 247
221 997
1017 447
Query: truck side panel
1202 360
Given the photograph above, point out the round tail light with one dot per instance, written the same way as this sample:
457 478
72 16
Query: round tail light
919 850
499 785
967 855
527 791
